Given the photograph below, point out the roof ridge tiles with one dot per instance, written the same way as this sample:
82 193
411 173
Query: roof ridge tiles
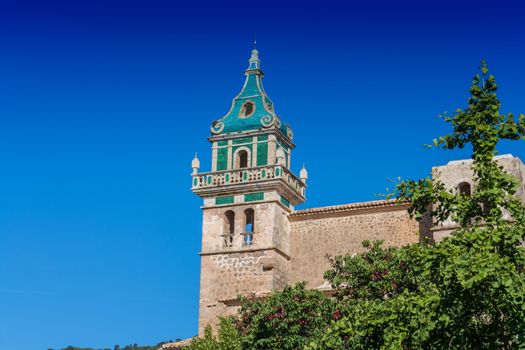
348 206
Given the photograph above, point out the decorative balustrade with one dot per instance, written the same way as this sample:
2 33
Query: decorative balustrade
248 175
228 240
246 240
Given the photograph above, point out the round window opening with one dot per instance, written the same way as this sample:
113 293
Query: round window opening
247 109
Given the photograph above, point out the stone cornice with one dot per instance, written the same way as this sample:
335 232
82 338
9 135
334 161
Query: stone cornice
251 133
230 205
246 250
274 185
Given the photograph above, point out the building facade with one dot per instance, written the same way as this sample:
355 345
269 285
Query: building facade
253 240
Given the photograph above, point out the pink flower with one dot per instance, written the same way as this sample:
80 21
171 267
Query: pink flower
337 315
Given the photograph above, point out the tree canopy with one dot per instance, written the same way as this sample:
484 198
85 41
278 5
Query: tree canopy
467 291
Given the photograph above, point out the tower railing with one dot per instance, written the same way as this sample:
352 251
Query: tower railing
247 175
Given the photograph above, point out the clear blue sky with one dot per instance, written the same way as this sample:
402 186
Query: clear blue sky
103 103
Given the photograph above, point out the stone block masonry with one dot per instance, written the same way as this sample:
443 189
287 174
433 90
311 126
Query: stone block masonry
339 230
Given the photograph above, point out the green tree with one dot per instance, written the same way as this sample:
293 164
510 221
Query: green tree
470 288
285 320
228 338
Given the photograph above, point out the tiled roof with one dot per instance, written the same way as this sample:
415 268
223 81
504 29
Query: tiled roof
348 207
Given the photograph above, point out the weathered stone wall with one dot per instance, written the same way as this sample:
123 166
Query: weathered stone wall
226 276
266 214
227 272
460 171
338 231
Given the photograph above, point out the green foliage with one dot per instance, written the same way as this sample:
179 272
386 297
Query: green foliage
375 274
481 126
466 292
286 320
228 338
374 291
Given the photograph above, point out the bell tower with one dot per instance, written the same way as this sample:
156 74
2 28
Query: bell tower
248 195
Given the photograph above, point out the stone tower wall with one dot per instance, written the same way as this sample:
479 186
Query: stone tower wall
270 225
227 272
226 276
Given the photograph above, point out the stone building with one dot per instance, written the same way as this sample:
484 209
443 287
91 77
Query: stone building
253 240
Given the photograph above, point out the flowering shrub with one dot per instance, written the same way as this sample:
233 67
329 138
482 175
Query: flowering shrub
378 273
285 320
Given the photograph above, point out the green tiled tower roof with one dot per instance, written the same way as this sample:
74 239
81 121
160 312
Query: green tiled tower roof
251 109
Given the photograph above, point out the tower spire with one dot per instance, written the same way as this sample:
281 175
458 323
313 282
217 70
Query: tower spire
251 109
255 63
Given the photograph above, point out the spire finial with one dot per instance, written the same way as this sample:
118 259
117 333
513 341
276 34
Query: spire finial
303 174
255 41
195 164
254 59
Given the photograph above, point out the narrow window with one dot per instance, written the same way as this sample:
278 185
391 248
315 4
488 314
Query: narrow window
242 159
229 228
249 228
249 214
464 189
230 222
